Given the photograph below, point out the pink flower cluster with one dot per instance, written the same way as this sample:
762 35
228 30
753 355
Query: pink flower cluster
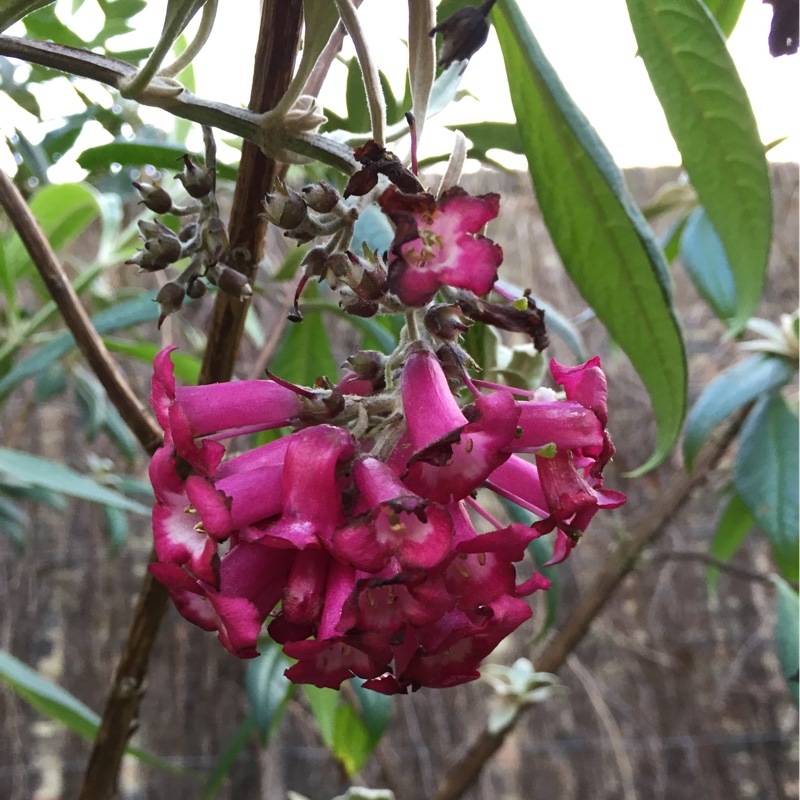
359 544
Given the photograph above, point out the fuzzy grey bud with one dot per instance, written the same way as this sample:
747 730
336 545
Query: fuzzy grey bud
170 299
197 180
154 197
321 197
286 208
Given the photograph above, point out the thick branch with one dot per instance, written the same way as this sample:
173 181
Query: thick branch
622 561
277 45
280 25
86 337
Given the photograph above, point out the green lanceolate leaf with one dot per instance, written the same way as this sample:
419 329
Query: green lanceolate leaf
602 237
36 471
64 211
156 154
726 13
487 136
323 703
735 387
734 525
131 312
375 710
268 689
344 729
13 521
351 739
704 257
786 633
709 115
187 366
14 10
58 704
116 529
766 476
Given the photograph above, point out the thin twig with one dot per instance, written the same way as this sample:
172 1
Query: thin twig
238 121
718 563
622 561
77 320
278 327
598 701
376 102
122 706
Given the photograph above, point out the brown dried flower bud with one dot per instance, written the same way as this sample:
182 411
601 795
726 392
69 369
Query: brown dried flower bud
148 262
197 180
161 246
215 239
314 262
446 321
463 33
286 209
154 197
170 299
164 249
350 302
230 281
196 288
367 364
320 196
188 232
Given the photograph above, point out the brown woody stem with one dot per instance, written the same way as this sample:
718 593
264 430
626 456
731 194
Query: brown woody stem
86 337
279 34
277 45
622 561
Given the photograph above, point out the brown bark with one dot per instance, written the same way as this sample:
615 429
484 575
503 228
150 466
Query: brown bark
274 62
277 45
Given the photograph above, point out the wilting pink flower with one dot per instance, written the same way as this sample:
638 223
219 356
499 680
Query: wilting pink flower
437 243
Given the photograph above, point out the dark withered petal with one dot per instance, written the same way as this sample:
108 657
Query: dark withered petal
529 321
463 33
785 30
377 160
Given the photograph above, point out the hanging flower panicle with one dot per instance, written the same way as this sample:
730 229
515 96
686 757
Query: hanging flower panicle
362 539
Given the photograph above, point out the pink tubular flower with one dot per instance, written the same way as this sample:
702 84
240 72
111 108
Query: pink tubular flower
397 524
226 409
437 243
250 584
312 505
360 554
452 454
